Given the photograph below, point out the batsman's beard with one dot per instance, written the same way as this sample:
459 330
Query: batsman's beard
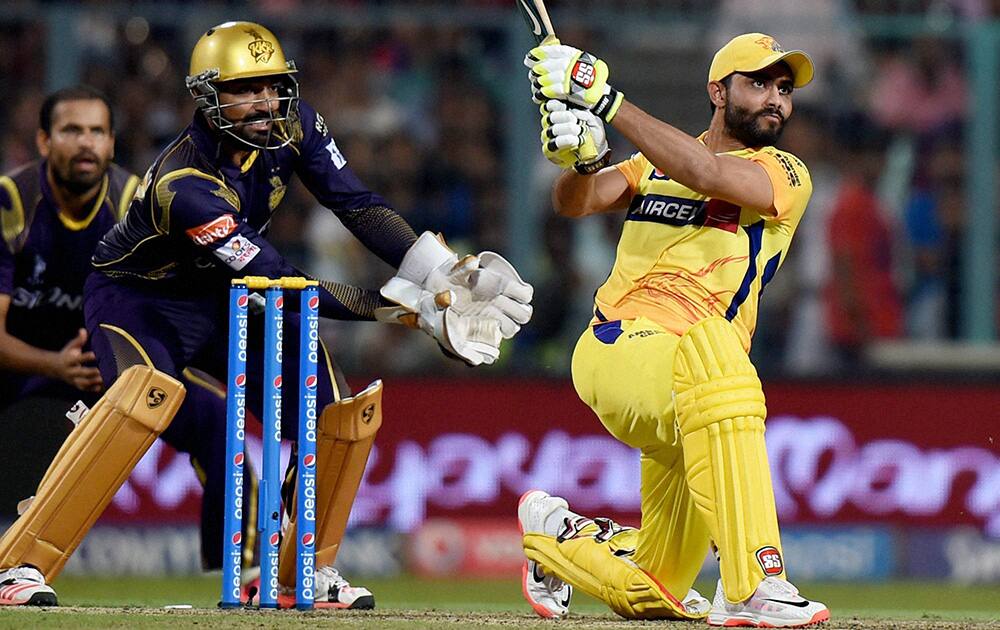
750 128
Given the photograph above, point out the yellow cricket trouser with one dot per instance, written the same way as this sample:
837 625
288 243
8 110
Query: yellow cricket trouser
624 372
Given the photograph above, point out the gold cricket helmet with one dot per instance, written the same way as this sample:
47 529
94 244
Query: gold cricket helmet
242 50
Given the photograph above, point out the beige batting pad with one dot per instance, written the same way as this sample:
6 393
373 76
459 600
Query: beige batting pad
346 432
93 462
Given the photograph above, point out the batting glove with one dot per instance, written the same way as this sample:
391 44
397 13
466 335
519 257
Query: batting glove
568 74
574 138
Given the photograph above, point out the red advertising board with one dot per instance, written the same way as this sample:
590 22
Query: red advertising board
840 453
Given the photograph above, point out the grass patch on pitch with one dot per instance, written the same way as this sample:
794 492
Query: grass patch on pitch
406 603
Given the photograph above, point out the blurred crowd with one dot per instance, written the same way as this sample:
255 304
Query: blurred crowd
418 109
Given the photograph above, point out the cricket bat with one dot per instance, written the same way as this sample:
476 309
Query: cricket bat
538 20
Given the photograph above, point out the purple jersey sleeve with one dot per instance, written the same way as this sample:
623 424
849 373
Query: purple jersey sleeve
6 270
323 169
205 211
6 257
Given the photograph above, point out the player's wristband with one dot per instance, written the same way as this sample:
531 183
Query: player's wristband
592 167
608 105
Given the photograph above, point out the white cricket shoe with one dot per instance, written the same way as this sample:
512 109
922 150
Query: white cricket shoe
775 604
695 604
333 591
25 586
548 595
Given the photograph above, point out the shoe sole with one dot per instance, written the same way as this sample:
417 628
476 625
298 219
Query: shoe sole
37 599
820 617
43 599
520 502
365 602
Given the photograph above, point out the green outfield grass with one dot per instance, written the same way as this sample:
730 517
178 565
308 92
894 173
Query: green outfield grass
406 603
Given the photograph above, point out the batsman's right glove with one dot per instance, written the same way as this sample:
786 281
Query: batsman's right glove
573 138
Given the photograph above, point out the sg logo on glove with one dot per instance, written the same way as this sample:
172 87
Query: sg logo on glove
584 74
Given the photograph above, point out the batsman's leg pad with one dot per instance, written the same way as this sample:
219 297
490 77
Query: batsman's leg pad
345 434
720 413
599 565
94 461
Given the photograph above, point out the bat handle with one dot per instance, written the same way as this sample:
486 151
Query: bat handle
549 40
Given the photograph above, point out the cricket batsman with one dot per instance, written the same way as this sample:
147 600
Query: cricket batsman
156 307
708 222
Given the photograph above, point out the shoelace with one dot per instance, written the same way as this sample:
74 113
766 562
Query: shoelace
782 587
25 573
333 575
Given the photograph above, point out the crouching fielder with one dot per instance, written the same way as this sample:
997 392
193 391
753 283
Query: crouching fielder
155 309
708 222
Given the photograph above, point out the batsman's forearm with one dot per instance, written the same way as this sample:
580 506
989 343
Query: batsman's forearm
577 195
668 148
573 194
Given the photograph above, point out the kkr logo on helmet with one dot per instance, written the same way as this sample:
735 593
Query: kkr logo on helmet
308 540
311 381
770 561
309 461
259 48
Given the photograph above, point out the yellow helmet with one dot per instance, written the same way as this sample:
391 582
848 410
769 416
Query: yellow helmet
240 50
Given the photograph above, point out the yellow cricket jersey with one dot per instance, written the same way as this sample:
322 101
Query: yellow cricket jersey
683 256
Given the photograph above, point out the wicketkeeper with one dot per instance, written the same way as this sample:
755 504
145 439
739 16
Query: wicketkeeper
156 308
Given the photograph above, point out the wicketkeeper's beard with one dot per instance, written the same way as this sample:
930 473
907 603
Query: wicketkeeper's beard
747 127
253 136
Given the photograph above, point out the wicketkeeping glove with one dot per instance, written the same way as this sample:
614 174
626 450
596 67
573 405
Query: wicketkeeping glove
568 74
469 305
475 340
573 138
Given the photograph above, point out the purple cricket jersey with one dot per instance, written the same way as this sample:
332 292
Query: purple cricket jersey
45 255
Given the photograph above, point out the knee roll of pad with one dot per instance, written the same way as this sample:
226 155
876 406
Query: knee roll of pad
713 377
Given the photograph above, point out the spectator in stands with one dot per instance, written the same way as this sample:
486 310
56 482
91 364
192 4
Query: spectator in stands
863 303
934 219
920 88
